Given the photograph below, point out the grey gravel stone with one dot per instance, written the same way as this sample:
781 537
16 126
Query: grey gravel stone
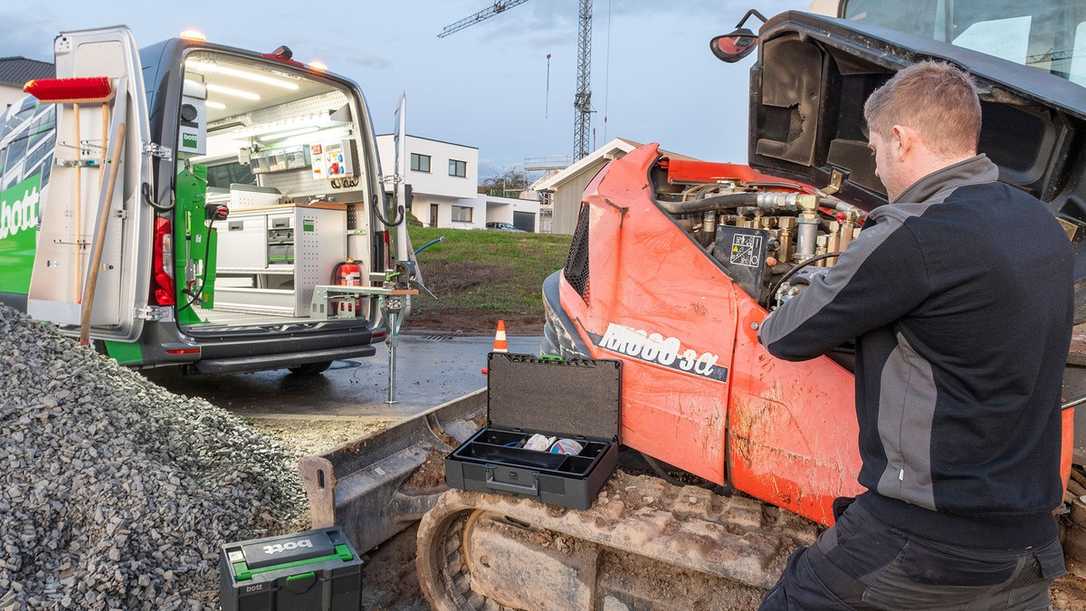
115 493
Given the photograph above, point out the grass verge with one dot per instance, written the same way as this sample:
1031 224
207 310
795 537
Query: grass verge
482 276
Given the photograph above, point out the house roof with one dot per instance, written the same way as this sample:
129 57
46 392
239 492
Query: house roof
467 146
617 145
15 71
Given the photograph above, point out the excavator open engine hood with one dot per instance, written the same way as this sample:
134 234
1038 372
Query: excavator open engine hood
814 73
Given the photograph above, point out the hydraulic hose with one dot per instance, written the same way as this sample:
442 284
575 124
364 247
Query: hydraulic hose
770 201
792 272
716 202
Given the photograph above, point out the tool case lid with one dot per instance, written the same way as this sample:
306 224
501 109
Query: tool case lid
577 398
287 549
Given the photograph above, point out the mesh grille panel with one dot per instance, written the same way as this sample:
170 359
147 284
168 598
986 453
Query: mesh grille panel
576 270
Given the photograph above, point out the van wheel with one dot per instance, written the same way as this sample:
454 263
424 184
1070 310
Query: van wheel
310 369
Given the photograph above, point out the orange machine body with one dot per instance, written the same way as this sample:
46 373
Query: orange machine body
699 391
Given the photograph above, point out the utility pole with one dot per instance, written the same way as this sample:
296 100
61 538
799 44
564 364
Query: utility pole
582 99
547 100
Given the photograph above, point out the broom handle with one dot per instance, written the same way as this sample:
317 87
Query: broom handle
77 230
99 239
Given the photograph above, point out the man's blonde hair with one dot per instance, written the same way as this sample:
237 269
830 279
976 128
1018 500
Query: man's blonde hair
936 99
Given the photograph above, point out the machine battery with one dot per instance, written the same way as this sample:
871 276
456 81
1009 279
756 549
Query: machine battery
317 570
576 400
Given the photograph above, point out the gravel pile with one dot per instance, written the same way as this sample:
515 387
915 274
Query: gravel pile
115 493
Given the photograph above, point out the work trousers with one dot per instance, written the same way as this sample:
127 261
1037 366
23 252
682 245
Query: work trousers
862 563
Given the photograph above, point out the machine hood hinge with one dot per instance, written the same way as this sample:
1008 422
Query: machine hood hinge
155 313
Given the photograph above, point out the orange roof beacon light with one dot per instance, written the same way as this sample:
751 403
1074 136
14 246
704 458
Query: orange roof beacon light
196 35
318 65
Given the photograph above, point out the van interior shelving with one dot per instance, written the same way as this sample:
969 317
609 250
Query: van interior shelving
265 142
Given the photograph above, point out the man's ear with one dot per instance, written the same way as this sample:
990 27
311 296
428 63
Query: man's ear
902 140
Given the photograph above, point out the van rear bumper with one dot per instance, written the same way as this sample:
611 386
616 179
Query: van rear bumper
258 348
278 361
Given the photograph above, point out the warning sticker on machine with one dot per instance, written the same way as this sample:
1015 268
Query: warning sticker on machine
746 250
659 350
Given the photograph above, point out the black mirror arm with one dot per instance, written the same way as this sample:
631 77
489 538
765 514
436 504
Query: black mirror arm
751 13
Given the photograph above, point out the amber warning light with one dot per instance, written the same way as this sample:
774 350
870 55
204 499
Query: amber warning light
71 90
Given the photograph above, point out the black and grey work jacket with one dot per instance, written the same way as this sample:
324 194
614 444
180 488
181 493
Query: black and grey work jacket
959 299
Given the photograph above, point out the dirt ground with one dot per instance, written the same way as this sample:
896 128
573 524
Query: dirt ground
389 582
307 436
473 322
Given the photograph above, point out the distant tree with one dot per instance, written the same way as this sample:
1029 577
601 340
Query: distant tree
507 184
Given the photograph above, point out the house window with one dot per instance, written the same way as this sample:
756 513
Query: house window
458 168
461 214
420 163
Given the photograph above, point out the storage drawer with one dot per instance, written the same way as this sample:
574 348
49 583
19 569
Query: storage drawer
242 243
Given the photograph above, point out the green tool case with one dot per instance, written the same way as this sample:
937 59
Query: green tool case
317 570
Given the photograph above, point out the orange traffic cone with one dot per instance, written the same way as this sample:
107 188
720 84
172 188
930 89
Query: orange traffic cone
501 344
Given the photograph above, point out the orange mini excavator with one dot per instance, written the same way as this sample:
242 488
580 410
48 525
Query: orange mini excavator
673 265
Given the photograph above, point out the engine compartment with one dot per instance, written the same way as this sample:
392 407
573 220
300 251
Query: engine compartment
770 236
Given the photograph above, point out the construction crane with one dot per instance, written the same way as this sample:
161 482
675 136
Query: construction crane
582 98
495 9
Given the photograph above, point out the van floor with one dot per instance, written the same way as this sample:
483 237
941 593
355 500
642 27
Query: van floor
218 318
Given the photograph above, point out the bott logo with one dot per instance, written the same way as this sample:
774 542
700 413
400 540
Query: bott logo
279 548
18 215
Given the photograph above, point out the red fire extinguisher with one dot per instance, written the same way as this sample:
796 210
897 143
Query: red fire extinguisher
348 273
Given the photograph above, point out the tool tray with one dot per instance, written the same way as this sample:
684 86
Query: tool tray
577 399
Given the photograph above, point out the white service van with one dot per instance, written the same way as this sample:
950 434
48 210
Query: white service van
245 181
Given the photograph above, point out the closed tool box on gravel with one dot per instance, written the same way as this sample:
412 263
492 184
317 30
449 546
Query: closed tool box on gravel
526 396
317 570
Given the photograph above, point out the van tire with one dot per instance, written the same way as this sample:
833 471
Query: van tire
311 369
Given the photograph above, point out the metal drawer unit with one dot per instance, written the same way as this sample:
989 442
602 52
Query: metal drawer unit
271 258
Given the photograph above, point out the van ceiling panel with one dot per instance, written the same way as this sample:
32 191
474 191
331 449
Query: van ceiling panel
272 85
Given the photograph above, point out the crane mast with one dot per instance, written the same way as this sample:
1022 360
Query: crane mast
582 99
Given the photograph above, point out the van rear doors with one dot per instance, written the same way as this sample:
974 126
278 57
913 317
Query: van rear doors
77 186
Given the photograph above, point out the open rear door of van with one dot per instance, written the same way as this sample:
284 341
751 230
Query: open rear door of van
70 222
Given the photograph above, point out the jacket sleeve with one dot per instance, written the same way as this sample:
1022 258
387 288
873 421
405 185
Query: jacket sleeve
880 278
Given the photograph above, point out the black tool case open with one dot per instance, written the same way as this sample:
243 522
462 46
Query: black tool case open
576 399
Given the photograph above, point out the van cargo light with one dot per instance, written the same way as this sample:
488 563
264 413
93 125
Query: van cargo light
196 35
208 67
230 91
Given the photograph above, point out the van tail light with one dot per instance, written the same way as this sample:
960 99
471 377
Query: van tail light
162 292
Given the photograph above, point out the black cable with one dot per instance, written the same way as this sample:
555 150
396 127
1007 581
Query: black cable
203 278
799 266
145 190
377 210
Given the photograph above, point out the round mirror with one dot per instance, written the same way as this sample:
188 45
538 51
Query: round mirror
735 46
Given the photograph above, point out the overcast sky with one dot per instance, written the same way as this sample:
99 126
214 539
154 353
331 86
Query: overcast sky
484 86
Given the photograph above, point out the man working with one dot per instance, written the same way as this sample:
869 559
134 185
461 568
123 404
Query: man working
958 294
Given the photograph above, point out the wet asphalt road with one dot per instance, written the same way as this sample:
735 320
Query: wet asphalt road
431 369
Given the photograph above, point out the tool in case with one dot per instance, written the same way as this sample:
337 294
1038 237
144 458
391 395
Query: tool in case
566 400
316 570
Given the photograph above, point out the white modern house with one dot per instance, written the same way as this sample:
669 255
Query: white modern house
444 179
